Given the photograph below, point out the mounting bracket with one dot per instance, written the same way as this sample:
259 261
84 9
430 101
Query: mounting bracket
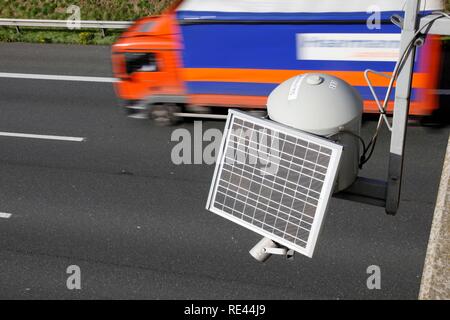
387 193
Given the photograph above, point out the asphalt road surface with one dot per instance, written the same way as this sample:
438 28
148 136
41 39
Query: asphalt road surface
135 223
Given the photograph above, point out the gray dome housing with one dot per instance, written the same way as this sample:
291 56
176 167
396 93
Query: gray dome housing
322 105
316 103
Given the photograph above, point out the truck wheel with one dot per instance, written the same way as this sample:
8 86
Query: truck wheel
164 114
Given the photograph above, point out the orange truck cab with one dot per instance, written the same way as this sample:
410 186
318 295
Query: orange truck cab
221 53
146 61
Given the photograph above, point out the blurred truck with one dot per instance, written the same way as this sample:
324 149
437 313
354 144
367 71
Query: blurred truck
211 55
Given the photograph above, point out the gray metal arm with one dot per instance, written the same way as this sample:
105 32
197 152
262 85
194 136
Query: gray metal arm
387 194
401 108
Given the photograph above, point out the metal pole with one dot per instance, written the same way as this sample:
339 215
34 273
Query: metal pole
401 108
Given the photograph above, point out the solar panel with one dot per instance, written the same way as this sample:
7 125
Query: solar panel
274 180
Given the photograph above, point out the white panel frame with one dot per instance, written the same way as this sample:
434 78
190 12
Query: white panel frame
325 195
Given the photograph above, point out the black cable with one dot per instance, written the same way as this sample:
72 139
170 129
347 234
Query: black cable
364 159
363 143
356 136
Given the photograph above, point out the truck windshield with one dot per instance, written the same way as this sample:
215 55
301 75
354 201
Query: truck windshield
140 62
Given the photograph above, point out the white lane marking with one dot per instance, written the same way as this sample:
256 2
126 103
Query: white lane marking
5 215
55 77
41 136
36 76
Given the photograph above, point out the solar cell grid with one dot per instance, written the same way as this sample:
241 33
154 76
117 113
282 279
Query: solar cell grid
273 180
